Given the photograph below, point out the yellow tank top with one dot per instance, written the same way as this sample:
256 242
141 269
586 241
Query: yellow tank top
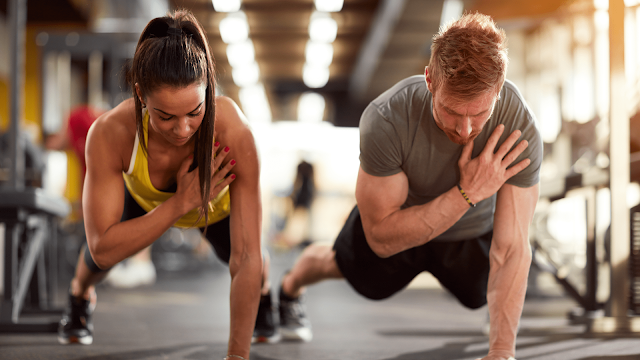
148 197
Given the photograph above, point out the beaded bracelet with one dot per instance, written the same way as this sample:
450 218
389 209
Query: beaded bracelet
464 195
228 357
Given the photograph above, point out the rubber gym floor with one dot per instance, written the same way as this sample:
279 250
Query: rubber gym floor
185 315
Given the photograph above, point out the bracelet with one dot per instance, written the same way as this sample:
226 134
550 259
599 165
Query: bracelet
228 357
464 195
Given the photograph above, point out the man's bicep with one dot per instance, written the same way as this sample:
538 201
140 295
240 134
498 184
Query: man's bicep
380 196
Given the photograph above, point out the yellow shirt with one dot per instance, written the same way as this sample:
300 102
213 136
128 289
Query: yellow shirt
148 197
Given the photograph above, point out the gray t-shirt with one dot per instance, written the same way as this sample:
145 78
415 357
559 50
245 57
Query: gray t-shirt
398 133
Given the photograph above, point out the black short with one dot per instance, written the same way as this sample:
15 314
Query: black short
462 267
218 234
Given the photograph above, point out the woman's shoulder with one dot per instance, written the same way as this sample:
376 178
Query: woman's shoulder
118 122
232 127
226 108
229 117
115 129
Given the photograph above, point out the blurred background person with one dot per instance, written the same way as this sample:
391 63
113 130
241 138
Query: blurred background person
297 229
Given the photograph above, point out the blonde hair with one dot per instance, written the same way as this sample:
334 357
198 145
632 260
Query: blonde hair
469 57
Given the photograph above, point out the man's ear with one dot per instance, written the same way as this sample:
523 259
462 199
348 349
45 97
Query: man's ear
427 78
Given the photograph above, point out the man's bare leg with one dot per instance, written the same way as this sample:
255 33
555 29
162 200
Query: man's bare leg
316 263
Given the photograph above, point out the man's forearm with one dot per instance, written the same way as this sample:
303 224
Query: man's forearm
505 296
416 225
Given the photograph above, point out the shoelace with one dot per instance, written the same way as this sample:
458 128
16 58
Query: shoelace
294 310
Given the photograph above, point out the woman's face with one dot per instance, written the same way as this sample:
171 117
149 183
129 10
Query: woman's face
176 113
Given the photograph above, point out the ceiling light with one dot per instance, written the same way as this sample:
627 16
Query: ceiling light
255 104
241 53
322 27
246 75
234 27
226 5
329 5
315 76
311 107
320 54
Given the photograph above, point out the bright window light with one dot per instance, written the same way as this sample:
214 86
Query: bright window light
451 11
55 179
322 27
315 76
630 3
311 107
329 5
226 5
550 118
254 104
241 53
601 4
320 54
246 75
234 27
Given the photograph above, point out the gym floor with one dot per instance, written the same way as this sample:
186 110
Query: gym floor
185 315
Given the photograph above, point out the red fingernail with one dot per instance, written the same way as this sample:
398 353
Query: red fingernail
233 176
226 149
232 162
216 144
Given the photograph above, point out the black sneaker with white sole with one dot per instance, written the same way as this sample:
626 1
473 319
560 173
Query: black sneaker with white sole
266 330
76 325
294 324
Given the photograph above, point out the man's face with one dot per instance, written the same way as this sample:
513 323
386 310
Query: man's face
462 121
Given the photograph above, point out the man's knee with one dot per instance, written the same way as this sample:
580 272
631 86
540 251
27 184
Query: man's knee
324 259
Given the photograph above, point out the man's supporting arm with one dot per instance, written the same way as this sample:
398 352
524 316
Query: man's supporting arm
510 259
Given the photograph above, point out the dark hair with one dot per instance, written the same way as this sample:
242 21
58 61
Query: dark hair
174 51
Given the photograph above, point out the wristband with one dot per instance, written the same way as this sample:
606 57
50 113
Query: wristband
464 195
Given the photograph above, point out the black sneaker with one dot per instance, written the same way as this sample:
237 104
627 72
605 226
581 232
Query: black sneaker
76 325
294 324
265 330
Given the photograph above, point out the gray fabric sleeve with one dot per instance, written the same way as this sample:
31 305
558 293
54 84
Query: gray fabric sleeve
380 145
519 116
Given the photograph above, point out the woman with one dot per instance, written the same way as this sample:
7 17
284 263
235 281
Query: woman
163 138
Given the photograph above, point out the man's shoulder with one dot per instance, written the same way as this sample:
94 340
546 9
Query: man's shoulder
400 102
402 91
510 94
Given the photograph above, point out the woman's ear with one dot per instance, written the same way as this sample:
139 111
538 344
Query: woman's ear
139 94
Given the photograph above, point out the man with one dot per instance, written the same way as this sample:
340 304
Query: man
444 186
